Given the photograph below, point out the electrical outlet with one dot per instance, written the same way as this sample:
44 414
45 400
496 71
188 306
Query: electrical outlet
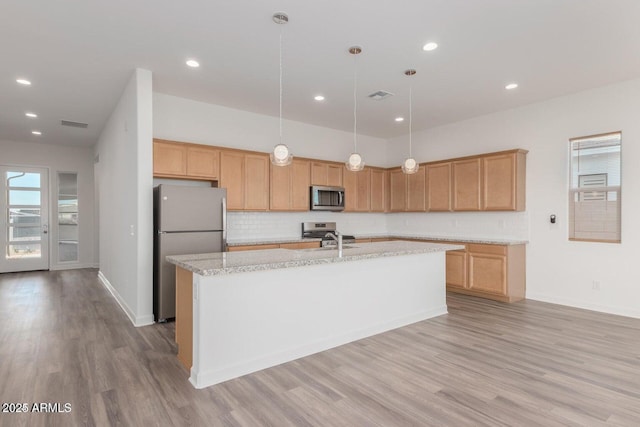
595 285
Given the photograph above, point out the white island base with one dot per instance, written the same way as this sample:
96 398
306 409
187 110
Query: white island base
248 321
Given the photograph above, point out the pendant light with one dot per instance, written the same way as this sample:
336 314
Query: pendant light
281 156
355 162
410 166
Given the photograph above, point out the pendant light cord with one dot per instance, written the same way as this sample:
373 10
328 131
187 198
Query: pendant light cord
355 103
410 115
280 85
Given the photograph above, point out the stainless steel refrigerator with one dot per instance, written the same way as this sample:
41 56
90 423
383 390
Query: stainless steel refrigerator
187 220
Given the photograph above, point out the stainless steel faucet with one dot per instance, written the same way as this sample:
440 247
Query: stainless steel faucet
337 239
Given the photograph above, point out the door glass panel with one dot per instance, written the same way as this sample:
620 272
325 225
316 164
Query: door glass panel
29 250
24 197
22 234
24 216
22 179
67 216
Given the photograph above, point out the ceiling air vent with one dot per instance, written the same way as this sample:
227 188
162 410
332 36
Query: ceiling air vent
73 124
380 95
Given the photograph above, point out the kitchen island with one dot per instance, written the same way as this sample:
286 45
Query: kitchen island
239 312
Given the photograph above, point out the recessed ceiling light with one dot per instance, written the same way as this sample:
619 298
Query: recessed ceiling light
430 46
399 119
24 82
32 115
511 86
319 98
193 63
36 132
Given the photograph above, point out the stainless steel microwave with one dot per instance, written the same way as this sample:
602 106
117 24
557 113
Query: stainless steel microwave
327 198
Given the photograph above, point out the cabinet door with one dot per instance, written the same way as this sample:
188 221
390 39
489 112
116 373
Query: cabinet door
334 175
466 185
232 178
363 190
488 269
203 162
457 269
319 173
280 188
256 185
350 184
300 183
378 194
416 191
438 187
169 159
501 176
398 191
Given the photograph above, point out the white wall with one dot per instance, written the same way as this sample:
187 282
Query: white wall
557 270
186 120
61 159
124 184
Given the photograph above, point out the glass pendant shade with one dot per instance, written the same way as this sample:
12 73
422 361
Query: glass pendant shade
410 166
281 156
355 163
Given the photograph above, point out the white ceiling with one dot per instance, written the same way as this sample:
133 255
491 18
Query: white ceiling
79 55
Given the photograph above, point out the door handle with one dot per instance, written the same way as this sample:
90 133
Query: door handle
45 229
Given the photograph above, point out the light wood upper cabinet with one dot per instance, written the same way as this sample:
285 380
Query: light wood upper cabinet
467 180
326 173
169 158
504 177
363 190
357 190
379 190
256 183
416 191
246 177
203 162
438 192
350 184
398 190
232 178
290 186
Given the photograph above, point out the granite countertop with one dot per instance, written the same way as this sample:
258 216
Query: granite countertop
222 263
481 240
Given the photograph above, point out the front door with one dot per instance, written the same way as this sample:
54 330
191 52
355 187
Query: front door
24 225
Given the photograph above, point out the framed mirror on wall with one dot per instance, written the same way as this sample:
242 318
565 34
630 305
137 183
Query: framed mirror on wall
68 234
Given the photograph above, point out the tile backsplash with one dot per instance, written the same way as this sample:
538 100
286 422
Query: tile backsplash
287 225
254 226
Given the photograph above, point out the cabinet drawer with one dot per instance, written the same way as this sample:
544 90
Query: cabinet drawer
487 249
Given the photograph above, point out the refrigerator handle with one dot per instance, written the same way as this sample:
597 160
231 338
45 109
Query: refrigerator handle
224 224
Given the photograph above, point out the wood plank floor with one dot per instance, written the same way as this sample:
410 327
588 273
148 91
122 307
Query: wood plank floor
63 339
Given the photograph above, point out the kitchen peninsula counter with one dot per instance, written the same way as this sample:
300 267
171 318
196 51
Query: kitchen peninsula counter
239 312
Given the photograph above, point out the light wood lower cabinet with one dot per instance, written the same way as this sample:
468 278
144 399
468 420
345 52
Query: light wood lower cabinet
490 271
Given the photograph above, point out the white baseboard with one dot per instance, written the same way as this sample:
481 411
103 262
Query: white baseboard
74 266
136 320
620 311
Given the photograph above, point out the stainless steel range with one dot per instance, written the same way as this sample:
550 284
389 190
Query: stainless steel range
319 230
